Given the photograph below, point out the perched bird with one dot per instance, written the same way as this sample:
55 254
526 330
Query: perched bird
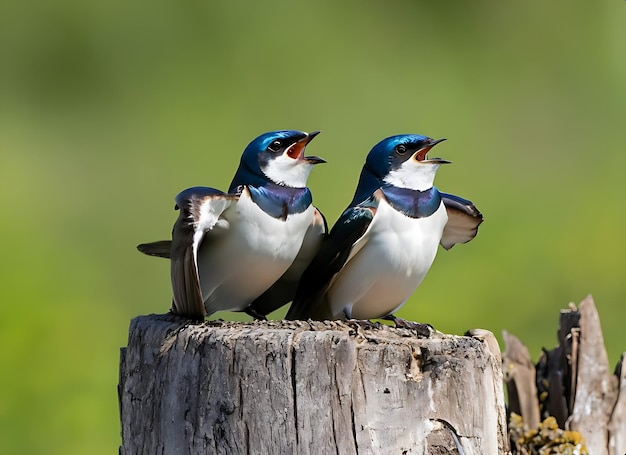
382 246
245 250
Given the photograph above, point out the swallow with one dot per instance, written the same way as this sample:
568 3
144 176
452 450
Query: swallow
245 250
382 246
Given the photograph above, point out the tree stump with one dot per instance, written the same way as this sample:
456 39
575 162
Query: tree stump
295 387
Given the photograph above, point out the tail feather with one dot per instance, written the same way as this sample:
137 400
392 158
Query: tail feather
159 249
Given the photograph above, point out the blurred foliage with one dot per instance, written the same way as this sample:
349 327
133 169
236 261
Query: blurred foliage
108 109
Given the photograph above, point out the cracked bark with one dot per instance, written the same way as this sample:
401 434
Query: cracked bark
306 388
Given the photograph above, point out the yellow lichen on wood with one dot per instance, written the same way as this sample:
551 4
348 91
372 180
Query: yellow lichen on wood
547 439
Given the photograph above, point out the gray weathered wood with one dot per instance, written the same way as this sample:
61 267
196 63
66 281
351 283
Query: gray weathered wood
573 383
308 388
596 386
519 375
617 424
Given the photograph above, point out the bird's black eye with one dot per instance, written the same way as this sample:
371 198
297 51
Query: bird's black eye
275 146
401 149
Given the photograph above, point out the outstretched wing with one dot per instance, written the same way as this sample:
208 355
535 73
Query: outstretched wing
200 212
283 291
335 251
463 221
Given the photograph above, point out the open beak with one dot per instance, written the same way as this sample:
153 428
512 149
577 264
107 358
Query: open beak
296 151
420 155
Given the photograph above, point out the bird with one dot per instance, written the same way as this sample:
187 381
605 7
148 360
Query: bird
245 250
382 246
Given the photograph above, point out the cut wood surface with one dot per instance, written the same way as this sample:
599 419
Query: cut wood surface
308 388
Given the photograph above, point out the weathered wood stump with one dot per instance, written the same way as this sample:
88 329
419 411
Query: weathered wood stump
572 383
308 387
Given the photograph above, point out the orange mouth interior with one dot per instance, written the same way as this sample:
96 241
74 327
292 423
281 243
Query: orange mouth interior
296 150
421 155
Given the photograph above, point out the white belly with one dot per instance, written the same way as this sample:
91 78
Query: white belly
238 264
397 253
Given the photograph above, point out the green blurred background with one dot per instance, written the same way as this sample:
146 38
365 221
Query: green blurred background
109 108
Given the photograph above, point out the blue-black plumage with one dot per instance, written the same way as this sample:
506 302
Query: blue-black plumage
384 243
229 249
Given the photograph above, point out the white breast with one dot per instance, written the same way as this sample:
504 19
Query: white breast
239 264
395 254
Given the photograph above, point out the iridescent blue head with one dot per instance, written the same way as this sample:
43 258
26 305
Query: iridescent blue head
399 161
278 157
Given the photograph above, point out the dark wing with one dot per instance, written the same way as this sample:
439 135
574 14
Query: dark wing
187 299
463 221
283 291
160 249
331 257
200 212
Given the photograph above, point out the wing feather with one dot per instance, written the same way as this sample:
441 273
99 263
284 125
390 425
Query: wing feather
333 254
463 221
200 212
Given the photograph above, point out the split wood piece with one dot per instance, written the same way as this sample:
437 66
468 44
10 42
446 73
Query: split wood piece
596 386
617 424
519 376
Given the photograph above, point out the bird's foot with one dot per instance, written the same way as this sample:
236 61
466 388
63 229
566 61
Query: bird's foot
258 316
193 319
422 330
362 323
363 328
